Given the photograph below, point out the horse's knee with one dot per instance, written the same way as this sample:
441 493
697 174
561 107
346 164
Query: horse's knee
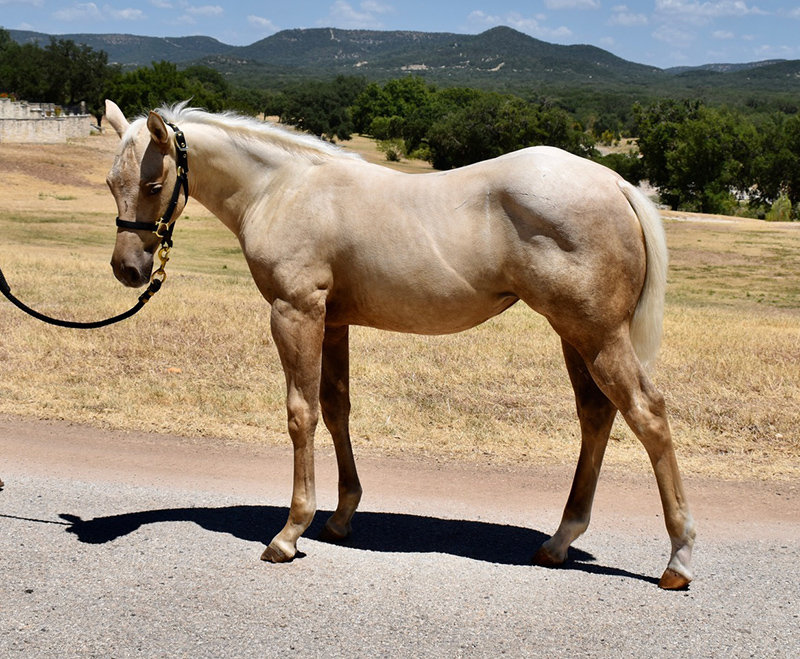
302 417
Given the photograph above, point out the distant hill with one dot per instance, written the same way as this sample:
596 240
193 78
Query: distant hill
501 52
501 59
133 51
724 68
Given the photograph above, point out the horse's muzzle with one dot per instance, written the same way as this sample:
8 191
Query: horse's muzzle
133 272
132 260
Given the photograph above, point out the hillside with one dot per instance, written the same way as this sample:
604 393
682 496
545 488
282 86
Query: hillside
500 59
134 51
500 52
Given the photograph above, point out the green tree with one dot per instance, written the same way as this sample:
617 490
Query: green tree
62 72
493 124
322 108
656 127
776 167
628 165
8 48
710 164
699 158
393 102
74 73
162 83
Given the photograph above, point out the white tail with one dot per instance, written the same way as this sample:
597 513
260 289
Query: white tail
648 319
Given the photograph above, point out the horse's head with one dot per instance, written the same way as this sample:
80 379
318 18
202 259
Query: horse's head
144 181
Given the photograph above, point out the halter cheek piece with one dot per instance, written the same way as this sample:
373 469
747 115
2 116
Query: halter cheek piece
163 229
165 225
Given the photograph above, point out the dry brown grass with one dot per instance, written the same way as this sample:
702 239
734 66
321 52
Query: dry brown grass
199 361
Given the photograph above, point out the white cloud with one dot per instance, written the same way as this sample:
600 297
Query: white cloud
377 7
161 4
32 3
481 18
769 51
626 18
89 11
262 23
205 10
531 26
126 14
723 34
674 35
572 4
344 15
86 11
696 9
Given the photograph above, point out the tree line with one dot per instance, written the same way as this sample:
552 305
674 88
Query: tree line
698 157
66 74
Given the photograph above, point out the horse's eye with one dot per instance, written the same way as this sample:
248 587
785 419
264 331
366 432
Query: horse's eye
155 188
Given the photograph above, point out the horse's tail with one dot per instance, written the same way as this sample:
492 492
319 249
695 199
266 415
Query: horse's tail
647 322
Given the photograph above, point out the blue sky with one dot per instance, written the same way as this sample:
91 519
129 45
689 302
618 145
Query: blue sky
662 33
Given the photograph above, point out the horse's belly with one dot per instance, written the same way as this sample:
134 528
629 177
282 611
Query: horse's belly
418 311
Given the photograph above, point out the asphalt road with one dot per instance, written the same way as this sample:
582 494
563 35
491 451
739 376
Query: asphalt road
126 545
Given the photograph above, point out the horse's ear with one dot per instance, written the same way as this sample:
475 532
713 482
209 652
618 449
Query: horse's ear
158 129
115 117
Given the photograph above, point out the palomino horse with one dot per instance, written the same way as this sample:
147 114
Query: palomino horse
333 241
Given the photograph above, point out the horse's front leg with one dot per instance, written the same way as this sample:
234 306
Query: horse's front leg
298 330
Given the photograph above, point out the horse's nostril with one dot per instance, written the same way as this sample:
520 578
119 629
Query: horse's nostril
128 274
133 276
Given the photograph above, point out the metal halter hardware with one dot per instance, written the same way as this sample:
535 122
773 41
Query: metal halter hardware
163 229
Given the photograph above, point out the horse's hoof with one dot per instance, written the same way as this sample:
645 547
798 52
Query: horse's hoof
332 532
544 558
274 554
673 580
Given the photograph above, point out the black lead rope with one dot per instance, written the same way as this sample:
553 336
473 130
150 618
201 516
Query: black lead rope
163 229
143 299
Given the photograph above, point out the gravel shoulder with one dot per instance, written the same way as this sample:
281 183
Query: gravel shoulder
127 544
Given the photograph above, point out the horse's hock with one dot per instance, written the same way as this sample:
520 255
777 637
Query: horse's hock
40 123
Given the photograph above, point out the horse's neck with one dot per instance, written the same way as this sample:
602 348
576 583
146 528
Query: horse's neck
228 179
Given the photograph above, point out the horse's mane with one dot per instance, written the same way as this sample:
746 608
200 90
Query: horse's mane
249 128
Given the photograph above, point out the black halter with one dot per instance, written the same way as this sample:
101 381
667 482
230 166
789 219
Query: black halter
163 229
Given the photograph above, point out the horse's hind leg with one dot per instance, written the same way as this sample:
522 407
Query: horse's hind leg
618 373
596 414
335 402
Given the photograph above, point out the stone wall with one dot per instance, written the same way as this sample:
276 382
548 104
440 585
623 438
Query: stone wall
40 123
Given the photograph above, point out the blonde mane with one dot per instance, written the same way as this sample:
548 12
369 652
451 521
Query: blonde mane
248 128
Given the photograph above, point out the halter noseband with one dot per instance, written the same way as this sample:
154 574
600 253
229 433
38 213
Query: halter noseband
163 228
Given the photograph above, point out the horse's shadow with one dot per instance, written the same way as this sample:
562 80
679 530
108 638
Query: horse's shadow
374 531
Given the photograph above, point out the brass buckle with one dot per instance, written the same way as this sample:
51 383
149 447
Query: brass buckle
162 225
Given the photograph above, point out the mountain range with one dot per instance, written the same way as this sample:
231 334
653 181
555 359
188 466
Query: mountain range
501 58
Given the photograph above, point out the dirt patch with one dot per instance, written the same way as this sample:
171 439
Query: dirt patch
43 165
52 178
722 508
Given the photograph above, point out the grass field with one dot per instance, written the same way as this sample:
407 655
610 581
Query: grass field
198 360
